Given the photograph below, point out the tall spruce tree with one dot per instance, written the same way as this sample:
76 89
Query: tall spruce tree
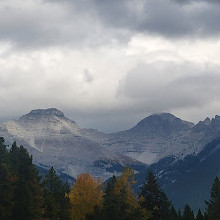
213 205
56 203
6 201
200 216
110 200
120 203
172 214
26 185
188 213
154 199
179 215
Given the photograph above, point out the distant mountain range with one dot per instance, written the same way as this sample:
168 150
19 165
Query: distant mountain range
179 152
56 141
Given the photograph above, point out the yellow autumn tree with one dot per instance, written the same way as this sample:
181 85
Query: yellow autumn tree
124 183
128 200
85 194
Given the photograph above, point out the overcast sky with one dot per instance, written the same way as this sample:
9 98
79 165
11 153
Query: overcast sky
109 63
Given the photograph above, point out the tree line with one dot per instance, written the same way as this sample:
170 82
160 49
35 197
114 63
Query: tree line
25 195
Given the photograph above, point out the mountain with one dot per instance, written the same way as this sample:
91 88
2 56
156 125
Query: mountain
161 135
188 181
184 156
161 125
56 141
153 138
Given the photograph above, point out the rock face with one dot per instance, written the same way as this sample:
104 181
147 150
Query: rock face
34 114
162 135
161 125
55 140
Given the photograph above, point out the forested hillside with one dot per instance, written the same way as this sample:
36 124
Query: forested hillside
25 195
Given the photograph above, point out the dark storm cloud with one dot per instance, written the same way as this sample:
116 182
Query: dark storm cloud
162 17
32 24
96 22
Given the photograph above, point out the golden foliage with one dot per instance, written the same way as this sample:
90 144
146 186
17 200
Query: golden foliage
123 186
85 194
124 183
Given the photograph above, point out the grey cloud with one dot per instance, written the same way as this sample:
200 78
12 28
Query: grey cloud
162 17
94 22
182 2
87 75
52 23
170 86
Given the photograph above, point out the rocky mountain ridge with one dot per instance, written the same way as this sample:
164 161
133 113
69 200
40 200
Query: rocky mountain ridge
55 140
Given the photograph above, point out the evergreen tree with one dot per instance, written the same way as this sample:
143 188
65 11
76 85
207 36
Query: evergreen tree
206 216
120 203
96 215
213 205
188 213
56 204
172 214
179 215
154 199
200 216
110 200
123 193
4 155
26 185
6 203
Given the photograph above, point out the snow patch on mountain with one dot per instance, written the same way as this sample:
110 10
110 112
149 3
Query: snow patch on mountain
55 140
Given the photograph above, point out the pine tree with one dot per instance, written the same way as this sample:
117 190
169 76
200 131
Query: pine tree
206 217
179 215
213 205
97 214
2 142
120 203
154 199
172 214
6 203
188 213
26 185
56 204
200 216
110 200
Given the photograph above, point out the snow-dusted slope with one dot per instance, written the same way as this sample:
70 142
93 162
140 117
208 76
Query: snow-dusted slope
161 135
56 141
